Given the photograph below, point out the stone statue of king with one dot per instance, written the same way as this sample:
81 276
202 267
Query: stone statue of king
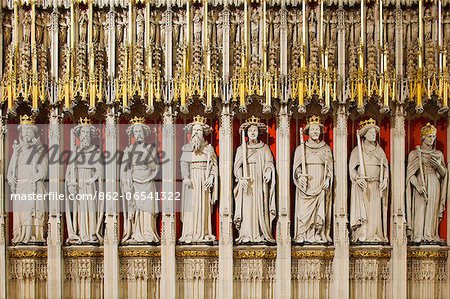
27 173
139 168
254 193
426 189
369 174
313 177
199 169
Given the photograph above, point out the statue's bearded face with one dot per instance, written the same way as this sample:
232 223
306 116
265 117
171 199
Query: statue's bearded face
253 133
314 132
197 137
429 139
371 135
27 134
85 136
138 133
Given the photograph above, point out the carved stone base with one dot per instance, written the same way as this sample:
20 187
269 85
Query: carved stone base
254 272
427 272
312 268
370 272
83 271
27 275
197 272
140 272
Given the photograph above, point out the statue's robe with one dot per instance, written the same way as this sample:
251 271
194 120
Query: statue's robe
139 168
313 205
84 216
368 206
256 206
197 202
29 165
424 218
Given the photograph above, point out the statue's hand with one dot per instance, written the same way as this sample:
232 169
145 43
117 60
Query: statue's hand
361 182
209 182
383 185
326 183
187 182
267 176
243 183
435 162
12 181
422 191
303 180
72 189
90 181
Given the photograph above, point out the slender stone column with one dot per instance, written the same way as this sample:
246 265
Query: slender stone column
111 240
341 288
54 249
226 203
3 279
398 227
341 263
111 276
168 235
283 262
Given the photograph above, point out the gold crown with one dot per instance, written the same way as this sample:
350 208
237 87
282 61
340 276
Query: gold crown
199 120
26 120
365 123
428 129
314 120
137 120
252 120
85 121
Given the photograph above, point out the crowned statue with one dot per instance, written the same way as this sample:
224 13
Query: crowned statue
426 189
27 176
369 175
313 178
254 193
139 167
84 179
199 169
